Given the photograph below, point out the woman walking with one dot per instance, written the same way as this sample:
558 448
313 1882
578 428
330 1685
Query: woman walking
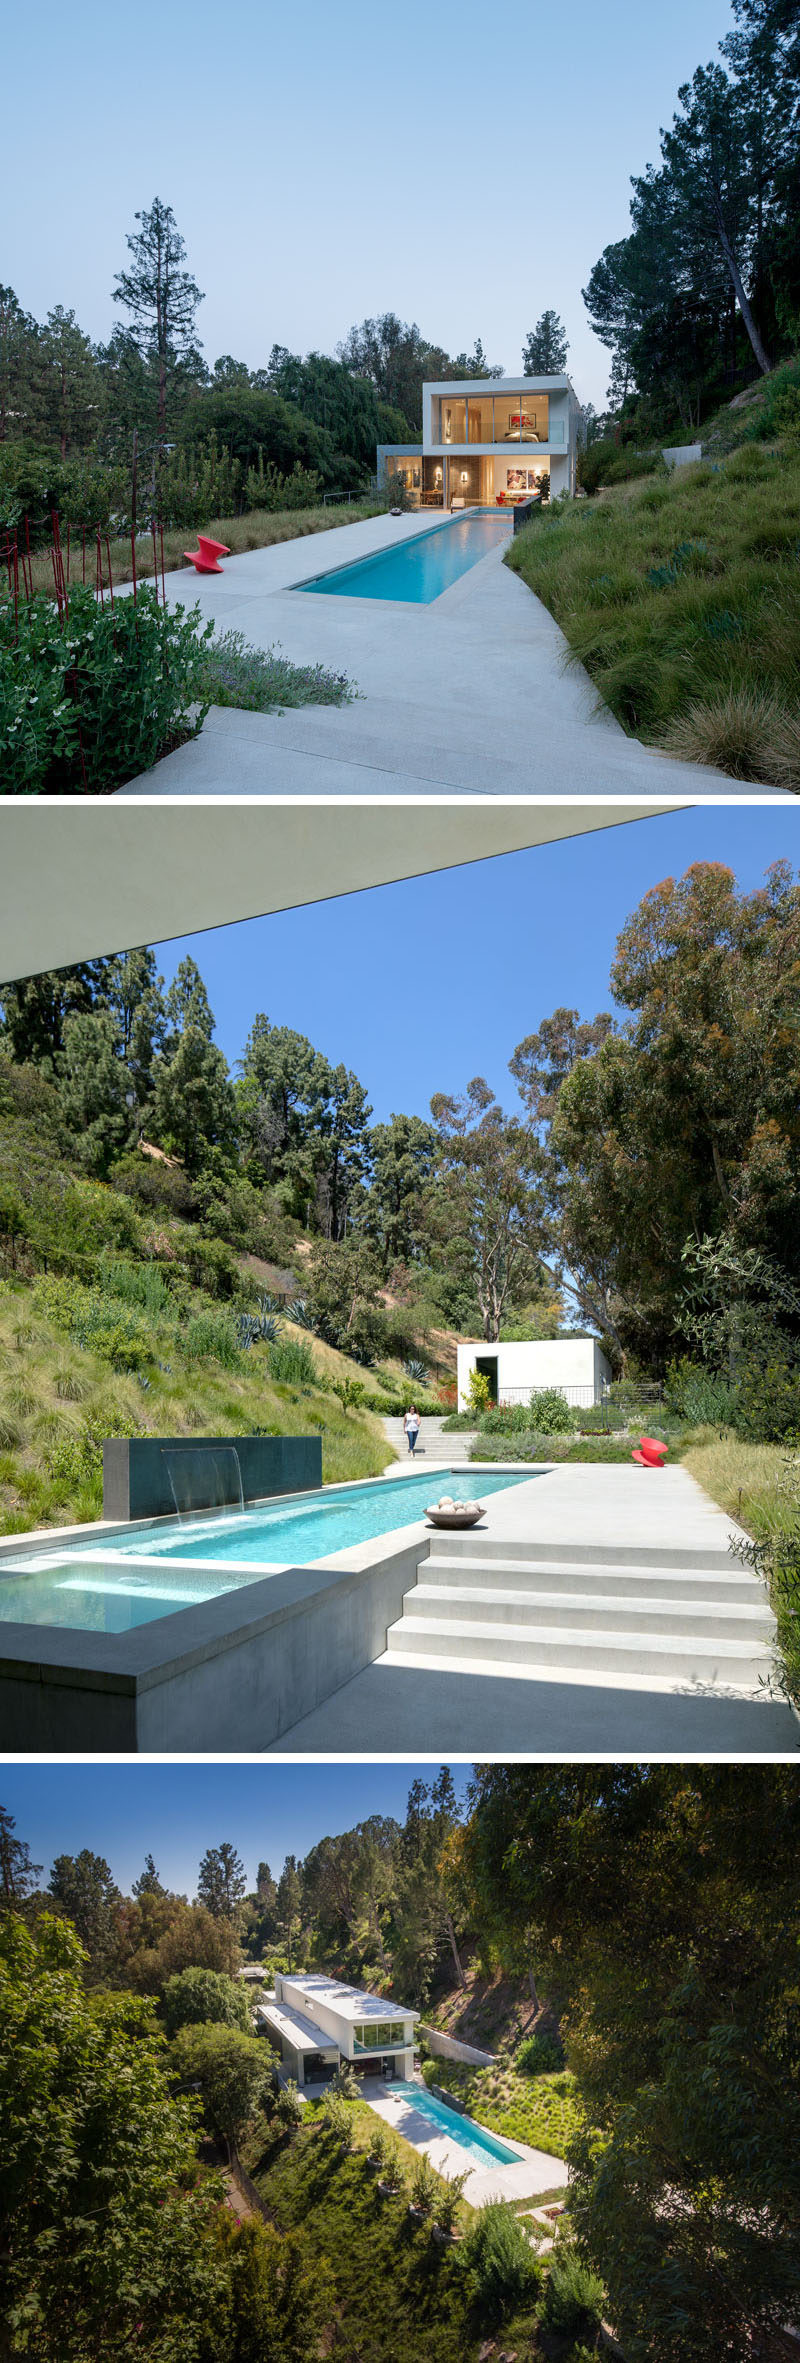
412 1425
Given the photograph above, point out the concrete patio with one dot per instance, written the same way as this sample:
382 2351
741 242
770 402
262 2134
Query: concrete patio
599 1611
470 693
537 2170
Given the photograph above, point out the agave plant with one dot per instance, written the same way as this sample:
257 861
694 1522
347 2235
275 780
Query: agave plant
300 1312
417 1371
258 1329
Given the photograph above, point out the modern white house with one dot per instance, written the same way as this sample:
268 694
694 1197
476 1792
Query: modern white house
575 1365
315 2022
488 443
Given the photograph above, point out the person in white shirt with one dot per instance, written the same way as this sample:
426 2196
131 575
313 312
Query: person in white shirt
412 1425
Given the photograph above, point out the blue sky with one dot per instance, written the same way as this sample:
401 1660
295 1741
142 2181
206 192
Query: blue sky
174 1811
463 171
420 986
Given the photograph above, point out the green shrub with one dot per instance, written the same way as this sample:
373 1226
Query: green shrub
75 1464
153 1183
90 701
538 2055
499 2254
504 1419
575 2297
96 1323
531 1446
138 1284
212 1267
263 680
292 1363
702 1398
424 2185
767 1404
554 1416
266 488
212 1336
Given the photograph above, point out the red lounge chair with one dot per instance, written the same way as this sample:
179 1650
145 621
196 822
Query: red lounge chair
651 1453
207 554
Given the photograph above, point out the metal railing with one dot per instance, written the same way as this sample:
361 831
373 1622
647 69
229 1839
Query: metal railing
329 497
579 1398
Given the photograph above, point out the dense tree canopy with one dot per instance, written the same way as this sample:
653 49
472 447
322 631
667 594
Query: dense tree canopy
101 2240
667 1913
705 289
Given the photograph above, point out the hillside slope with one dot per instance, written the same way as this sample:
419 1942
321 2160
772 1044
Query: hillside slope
116 1321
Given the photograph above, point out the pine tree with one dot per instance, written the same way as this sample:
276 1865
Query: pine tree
546 347
162 299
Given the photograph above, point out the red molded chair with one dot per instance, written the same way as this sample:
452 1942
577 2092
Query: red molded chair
651 1453
207 554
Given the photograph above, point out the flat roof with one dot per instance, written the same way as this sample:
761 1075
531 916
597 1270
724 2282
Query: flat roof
300 2032
499 385
350 2002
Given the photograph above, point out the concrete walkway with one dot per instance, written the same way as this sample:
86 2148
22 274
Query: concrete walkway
586 1578
470 693
534 2171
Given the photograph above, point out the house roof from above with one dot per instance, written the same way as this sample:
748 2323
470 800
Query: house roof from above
300 2032
349 2002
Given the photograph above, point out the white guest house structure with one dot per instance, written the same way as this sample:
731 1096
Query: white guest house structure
488 443
316 2021
576 1365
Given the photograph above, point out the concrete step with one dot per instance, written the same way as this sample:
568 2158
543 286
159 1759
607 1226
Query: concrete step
457 1570
643 1555
577 1610
476 1642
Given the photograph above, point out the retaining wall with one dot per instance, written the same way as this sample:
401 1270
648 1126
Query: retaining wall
449 2047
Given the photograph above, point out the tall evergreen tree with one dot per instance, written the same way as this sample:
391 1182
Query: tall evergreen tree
546 348
161 299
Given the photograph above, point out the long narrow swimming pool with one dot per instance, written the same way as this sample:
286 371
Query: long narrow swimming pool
471 2137
420 569
131 1578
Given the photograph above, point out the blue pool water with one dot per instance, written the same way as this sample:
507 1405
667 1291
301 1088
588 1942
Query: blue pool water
419 569
130 1579
471 2137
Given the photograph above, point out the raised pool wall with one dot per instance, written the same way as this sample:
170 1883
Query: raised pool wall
136 1479
226 1676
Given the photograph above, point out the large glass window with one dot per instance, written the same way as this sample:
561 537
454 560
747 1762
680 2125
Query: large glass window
521 418
378 2038
408 469
480 409
511 417
453 420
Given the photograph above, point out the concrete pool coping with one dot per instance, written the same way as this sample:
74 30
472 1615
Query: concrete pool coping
535 2171
283 1642
450 596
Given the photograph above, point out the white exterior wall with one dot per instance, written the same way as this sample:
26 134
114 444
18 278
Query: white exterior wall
335 2028
575 1364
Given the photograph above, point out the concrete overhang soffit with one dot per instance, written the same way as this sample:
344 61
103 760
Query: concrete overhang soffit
82 880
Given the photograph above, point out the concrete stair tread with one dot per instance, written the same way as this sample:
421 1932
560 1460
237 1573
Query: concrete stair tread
461 1566
627 1557
749 1612
475 1628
